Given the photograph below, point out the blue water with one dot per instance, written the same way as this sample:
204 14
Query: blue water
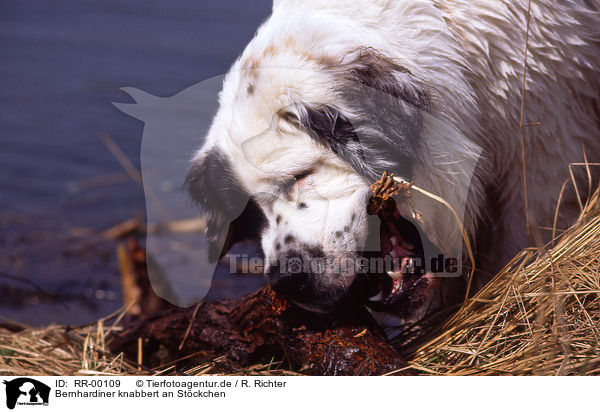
61 64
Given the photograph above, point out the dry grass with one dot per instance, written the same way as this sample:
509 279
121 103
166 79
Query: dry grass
58 350
538 316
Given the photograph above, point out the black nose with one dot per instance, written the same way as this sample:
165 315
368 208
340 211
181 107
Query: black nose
296 286
287 277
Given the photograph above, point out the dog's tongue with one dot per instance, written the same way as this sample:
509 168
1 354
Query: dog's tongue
403 277
405 288
392 242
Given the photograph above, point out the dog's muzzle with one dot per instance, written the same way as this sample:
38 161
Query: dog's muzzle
309 279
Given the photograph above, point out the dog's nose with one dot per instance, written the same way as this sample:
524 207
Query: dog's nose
292 285
288 279
306 281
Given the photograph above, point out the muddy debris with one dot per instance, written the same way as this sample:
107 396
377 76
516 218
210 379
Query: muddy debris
258 328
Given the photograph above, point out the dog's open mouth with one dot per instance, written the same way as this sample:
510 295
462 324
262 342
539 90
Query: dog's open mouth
404 285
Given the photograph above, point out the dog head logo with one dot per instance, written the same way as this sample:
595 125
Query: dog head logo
26 391
179 268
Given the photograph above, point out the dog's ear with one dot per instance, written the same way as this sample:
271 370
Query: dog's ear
231 215
374 70
378 124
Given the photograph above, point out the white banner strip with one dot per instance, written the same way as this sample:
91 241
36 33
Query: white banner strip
45 394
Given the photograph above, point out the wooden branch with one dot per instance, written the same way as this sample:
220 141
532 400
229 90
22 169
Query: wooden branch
259 328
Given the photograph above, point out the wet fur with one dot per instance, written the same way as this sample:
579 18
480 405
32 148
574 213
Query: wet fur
300 101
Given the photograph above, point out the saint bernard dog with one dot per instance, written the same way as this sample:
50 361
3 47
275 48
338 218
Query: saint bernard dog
459 97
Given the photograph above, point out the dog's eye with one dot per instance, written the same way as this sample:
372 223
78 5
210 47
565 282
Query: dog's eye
302 175
290 117
289 185
297 177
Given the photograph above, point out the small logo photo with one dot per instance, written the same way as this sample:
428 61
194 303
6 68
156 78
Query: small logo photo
26 391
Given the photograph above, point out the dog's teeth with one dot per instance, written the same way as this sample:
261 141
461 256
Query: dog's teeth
395 275
408 265
394 241
377 297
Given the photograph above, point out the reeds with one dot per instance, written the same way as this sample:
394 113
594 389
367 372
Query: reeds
60 350
539 316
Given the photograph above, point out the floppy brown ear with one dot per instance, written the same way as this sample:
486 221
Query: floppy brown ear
370 68
379 124
231 215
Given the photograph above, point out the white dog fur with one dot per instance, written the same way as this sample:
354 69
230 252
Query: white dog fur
463 62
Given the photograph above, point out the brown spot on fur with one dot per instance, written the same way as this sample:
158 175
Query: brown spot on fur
250 66
271 50
326 61
289 43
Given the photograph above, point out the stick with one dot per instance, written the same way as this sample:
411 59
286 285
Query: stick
139 354
132 172
189 328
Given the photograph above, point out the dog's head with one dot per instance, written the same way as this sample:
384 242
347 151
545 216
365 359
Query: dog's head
298 138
